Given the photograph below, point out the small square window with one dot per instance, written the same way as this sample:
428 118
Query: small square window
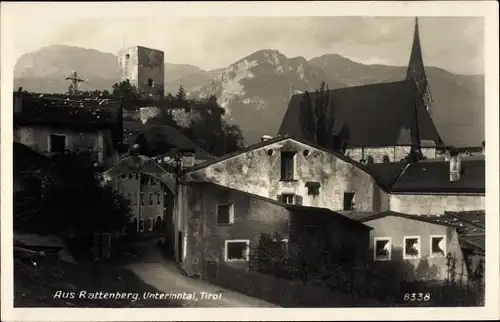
225 214
288 198
438 246
349 201
57 143
411 247
313 188
382 249
237 250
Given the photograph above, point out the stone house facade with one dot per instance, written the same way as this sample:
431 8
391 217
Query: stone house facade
54 125
295 172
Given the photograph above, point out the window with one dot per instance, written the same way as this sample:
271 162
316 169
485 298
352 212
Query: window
313 188
158 223
287 165
141 225
130 176
349 201
382 249
151 224
438 246
129 197
158 198
57 143
150 198
369 159
127 56
386 159
150 82
288 198
225 214
142 198
411 247
237 250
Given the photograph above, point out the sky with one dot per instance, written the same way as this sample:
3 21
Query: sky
452 43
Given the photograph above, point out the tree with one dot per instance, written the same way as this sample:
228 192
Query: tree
181 94
77 203
315 122
125 90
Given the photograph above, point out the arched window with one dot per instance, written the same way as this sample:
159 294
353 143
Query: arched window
386 159
369 159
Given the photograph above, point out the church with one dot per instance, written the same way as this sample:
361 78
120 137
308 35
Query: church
379 123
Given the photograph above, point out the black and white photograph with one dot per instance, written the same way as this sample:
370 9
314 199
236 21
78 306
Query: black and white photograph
176 157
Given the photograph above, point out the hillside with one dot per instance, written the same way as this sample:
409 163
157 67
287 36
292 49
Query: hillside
255 90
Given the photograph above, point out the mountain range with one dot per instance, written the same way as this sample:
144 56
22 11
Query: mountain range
256 89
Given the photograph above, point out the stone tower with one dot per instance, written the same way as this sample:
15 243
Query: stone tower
416 70
144 68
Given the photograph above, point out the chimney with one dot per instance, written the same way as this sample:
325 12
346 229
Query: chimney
18 101
265 138
455 166
188 160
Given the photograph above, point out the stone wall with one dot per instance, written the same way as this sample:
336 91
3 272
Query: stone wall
393 153
435 204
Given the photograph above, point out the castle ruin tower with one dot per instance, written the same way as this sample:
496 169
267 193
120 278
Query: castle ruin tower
416 70
144 68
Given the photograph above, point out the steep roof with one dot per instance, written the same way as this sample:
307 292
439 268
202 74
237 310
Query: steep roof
380 181
91 113
432 176
384 114
160 138
388 172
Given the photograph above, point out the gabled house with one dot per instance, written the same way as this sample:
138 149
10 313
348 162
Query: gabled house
296 172
51 125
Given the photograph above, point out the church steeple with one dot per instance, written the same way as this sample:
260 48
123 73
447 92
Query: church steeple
416 69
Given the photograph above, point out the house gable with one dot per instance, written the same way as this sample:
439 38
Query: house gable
258 170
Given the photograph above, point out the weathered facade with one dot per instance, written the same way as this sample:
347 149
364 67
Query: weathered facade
48 140
294 172
418 246
144 68
223 223
55 125
435 204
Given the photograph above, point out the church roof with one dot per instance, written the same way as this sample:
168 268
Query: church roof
384 114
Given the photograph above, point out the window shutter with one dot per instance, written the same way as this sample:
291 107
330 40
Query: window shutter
298 200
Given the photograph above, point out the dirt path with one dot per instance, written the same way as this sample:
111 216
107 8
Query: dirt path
166 277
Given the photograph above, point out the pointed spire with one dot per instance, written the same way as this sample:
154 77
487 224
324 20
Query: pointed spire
416 69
